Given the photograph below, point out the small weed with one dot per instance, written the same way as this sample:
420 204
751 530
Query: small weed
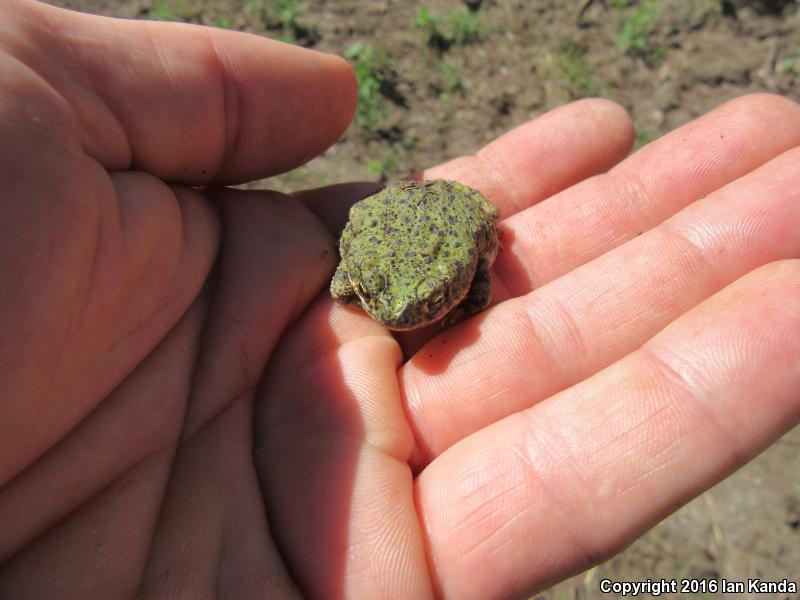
287 13
423 18
376 80
637 26
223 22
296 175
382 168
657 52
450 80
644 137
465 26
790 64
571 61
455 29
284 17
254 6
161 10
430 26
390 163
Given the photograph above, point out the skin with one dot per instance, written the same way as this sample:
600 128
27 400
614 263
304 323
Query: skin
169 429
418 252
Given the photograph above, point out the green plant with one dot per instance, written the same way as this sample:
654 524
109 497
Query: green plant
254 6
575 70
450 80
424 19
657 52
382 168
457 28
375 80
296 175
287 12
465 26
644 137
789 64
223 22
391 162
283 16
637 26
161 10
426 22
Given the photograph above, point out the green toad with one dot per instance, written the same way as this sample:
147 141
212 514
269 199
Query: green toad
418 252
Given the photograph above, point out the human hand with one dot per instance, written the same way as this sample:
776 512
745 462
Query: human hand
111 368
642 346
168 473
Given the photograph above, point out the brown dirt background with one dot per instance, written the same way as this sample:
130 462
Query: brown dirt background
524 58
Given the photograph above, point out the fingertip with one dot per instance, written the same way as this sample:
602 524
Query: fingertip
764 102
347 85
772 116
292 103
613 120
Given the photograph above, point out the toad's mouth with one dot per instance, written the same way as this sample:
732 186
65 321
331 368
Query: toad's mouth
412 313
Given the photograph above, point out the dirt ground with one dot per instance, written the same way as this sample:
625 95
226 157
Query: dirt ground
438 80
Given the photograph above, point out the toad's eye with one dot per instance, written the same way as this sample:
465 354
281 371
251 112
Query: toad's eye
372 282
425 290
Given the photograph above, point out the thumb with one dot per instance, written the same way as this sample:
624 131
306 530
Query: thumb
186 103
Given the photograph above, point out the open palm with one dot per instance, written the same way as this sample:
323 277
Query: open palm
184 412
